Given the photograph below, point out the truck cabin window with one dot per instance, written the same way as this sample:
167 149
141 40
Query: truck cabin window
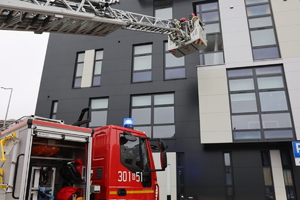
134 154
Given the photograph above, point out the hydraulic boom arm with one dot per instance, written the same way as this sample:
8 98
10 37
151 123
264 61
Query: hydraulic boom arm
88 17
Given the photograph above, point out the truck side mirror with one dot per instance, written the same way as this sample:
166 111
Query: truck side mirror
163 160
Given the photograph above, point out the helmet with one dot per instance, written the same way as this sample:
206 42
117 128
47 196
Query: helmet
183 19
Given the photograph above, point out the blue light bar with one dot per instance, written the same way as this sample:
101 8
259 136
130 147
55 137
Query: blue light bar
128 123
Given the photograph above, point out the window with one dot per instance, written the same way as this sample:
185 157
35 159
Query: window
174 67
209 13
88 69
154 114
79 70
228 176
163 9
99 109
97 68
142 63
54 109
288 175
262 31
259 104
268 177
180 175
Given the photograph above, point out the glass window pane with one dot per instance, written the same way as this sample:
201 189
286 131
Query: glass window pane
175 73
288 178
263 37
79 70
99 55
77 82
96 80
98 118
172 61
141 115
142 76
247 135
210 16
268 176
99 103
227 159
212 28
164 13
245 122
80 57
241 84
228 177
141 101
265 53
214 42
248 2
278 120
98 67
163 99
243 103
145 129
213 58
143 49
268 70
164 131
55 107
270 82
258 10
142 62
209 6
163 115
273 101
239 73
260 22
278 134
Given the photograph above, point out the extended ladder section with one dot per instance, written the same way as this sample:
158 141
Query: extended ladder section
88 17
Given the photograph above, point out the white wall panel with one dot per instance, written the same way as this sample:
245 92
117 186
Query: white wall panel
236 39
277 173
286 16
215 122
163 179
292 74
88 67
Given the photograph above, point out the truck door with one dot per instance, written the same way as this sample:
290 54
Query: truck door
134 176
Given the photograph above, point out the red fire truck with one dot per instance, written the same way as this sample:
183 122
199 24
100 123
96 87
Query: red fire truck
45 159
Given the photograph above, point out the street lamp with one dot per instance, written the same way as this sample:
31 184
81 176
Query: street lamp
7 105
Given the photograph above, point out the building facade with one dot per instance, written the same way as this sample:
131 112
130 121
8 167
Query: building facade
229 113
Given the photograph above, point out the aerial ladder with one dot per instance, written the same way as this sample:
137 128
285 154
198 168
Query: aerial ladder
97 18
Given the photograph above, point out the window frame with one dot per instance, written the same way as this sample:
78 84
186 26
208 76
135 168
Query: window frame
255 49
262 132
152 106
54 107
96 110
170 68
94 68
212 57
157 7
76 68
134 72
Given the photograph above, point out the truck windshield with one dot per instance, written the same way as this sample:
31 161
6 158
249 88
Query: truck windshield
134 154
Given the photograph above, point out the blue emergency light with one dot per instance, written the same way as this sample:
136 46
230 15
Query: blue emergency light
128 123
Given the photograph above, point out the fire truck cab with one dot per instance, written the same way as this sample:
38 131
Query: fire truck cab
123 165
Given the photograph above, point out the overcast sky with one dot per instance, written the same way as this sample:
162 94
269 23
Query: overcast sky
22 56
